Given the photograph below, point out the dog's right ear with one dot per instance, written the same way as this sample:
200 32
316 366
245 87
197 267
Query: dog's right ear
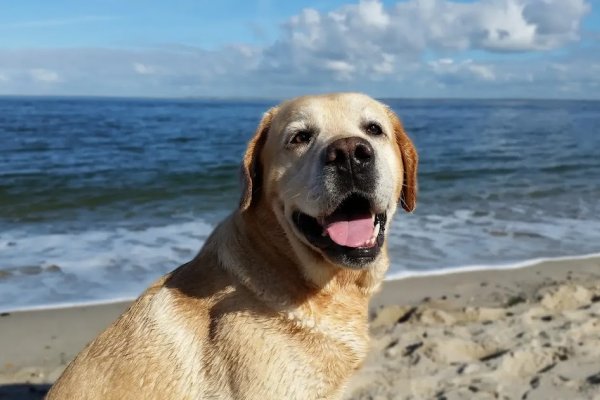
251 168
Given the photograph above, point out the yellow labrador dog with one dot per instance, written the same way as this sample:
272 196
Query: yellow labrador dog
275 304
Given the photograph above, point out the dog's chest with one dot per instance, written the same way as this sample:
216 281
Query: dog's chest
277 359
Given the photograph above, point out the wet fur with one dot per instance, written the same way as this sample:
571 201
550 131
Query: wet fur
257 314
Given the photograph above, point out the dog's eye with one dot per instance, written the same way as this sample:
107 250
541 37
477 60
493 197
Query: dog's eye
304 136
374 129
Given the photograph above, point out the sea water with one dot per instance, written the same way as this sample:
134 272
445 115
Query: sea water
99 197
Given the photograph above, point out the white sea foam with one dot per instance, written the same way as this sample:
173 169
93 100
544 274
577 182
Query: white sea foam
100 266
93 265
391 277
463 237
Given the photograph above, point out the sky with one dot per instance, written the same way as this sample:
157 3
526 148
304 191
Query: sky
275 49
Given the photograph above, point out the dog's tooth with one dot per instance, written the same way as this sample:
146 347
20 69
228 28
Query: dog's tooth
324 233
373 238
376 231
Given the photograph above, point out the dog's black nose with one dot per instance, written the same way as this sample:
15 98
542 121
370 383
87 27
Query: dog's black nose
349 154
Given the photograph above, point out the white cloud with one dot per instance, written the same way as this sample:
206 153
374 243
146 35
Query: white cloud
556 20
496 25
386 66
372 38
373 14
44 75
143 69
342 69
482 71
442 61
466 69
385 50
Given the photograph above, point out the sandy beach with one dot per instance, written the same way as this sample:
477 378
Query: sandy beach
528 333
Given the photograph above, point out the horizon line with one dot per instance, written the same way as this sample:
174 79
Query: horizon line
258 98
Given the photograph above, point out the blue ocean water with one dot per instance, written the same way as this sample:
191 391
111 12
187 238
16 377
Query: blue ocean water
99 197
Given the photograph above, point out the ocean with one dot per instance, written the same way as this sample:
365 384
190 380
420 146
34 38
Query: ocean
99 197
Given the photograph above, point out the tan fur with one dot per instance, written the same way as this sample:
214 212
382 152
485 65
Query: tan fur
258 313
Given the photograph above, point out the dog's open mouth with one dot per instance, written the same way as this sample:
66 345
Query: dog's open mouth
353 234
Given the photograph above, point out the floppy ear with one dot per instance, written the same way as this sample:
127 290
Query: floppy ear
410 160
251 169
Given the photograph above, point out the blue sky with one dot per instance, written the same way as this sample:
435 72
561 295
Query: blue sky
410 48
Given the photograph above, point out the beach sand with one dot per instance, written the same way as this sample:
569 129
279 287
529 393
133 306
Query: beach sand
528 333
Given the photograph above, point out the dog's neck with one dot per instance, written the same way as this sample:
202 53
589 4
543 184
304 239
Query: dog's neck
253 247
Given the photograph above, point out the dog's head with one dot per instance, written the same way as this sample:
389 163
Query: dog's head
333 169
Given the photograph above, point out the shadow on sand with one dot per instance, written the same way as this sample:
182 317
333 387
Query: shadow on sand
23 391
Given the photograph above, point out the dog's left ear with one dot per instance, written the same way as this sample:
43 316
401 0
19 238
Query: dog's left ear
251 168
410 161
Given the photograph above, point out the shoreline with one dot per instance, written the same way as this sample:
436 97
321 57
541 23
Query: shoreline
429 334
488 267
396 276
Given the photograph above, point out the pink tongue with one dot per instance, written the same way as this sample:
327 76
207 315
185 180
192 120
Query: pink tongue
353 233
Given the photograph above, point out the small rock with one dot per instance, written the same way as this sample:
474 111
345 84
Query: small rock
4 274
404 318
535 382
30 270
547 368
470 369
415 360
494 355
391 350
53 268
391 353
593 379
411 348
514 300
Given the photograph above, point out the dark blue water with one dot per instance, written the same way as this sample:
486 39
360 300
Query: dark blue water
98 191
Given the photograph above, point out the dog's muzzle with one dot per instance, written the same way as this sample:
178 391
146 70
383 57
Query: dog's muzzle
350 230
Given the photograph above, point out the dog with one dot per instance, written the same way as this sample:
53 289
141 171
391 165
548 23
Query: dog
275 305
